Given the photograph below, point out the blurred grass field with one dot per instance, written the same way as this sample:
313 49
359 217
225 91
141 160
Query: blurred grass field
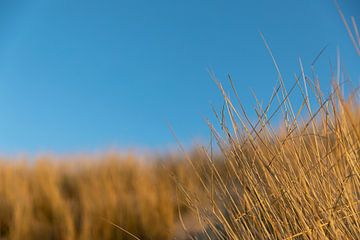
85 199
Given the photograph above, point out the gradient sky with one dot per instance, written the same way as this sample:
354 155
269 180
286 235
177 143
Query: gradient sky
85 75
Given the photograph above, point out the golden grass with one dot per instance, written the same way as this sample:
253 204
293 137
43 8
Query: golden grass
89 199
300 181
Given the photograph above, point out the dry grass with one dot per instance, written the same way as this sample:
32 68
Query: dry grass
89 199
299 181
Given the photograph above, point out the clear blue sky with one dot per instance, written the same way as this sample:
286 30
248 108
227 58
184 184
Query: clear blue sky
85 75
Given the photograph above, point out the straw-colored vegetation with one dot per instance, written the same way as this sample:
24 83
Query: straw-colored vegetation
299 181
89 199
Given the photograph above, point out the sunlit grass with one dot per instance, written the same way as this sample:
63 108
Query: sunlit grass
299 181
85 199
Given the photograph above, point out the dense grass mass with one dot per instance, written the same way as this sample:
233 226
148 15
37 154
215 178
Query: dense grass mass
299 182
87 199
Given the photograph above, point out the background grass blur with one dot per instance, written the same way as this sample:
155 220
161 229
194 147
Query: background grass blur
84 199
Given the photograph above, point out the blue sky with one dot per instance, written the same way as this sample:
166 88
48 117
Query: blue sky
79 76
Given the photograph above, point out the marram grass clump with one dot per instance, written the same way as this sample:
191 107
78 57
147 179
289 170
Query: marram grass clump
299 181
